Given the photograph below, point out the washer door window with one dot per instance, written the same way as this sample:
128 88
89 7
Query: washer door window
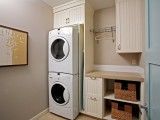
60 49
60 94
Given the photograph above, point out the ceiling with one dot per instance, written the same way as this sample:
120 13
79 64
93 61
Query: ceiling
53 3
100 4
97 4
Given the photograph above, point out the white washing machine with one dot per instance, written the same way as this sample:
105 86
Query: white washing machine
63 95
63 50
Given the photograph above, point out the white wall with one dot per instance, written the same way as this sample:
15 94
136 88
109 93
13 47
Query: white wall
24 89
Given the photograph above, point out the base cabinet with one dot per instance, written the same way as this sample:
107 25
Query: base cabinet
100 96
94 100
94 105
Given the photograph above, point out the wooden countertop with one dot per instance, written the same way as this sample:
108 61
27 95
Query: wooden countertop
117 75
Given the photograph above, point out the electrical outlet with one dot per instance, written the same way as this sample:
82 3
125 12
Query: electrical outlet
134 62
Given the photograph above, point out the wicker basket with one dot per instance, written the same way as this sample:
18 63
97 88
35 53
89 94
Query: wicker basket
121 111
125 90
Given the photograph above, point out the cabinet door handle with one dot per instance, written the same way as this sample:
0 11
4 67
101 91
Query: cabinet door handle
93 98
68 20
119 47
93 78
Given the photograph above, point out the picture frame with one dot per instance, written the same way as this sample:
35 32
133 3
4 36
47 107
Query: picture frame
13 47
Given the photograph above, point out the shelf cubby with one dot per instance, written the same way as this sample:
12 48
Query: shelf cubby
110 96
107 116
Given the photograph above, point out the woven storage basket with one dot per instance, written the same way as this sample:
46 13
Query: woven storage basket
127 93
121 114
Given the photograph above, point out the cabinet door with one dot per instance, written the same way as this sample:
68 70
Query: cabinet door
130 26
94 86
69 16
75 15
94 103
60 19
94 97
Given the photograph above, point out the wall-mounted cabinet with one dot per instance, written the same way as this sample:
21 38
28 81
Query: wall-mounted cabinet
60 19
69 16
76 15
129 26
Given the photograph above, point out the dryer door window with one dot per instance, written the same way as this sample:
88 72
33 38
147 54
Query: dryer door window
60 94
60 49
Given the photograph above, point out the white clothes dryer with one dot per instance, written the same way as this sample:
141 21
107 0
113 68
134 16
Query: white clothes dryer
63 95
63 50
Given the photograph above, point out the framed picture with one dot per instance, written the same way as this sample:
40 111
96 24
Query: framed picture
13 46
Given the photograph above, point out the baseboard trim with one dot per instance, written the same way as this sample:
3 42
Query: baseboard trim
40 114
91 116
83 112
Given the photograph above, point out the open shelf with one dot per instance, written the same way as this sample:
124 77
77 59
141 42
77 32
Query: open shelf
108 110
108 117
111 96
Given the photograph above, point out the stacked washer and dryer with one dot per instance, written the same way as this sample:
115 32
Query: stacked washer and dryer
64 72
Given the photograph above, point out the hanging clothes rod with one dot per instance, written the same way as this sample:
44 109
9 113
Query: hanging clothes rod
105 29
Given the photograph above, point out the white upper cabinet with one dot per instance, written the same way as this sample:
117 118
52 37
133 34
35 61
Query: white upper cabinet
129 26
60 19
69 14
76 15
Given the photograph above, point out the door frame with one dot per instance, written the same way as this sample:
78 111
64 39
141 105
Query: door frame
147 36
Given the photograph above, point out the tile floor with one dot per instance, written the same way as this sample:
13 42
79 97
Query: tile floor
50 116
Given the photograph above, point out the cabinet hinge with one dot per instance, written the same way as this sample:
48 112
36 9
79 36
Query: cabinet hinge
144 107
